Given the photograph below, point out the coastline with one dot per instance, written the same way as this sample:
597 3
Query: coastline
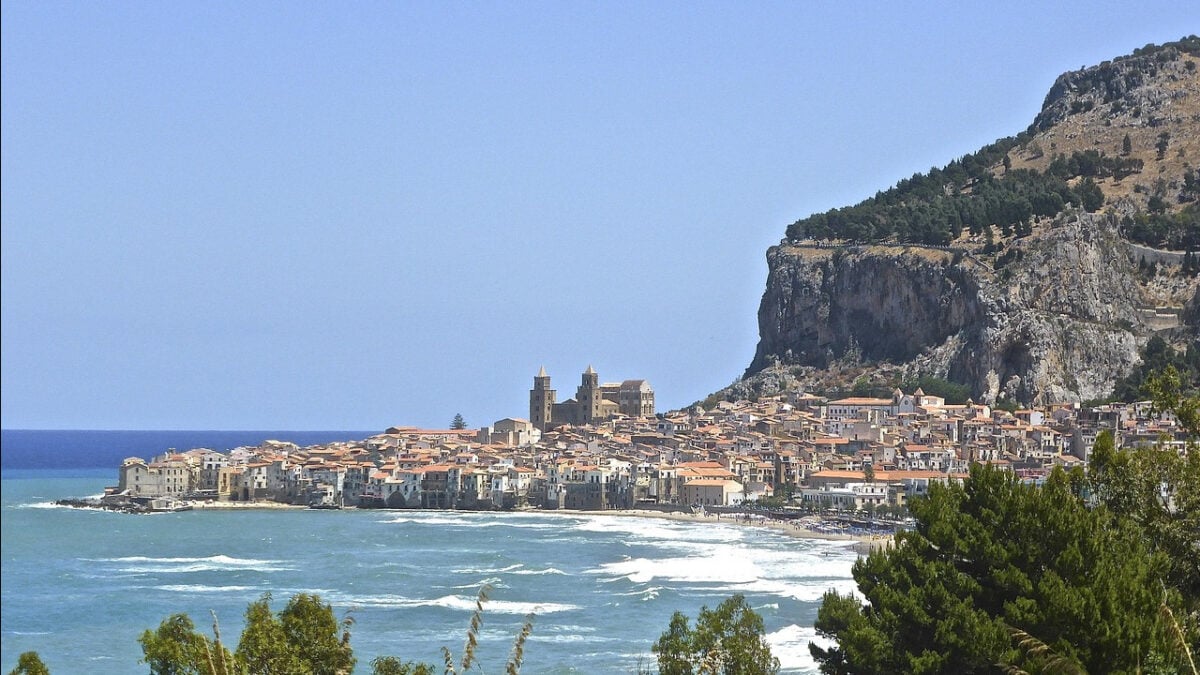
796 529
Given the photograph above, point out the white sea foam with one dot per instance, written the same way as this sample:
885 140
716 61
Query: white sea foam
149 565
196 588
788 564
488 570
456 602
644 594
658 531
722 567
431 519
790 645
804 591
216 559
548 570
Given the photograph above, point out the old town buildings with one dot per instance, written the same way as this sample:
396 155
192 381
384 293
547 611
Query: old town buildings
851 454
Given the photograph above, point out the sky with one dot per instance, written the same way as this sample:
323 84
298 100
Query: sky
232 215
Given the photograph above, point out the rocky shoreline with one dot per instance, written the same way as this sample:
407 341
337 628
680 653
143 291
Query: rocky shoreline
126 505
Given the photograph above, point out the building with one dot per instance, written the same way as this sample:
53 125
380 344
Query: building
593 402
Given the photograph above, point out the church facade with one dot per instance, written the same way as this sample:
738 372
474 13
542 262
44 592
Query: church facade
594 402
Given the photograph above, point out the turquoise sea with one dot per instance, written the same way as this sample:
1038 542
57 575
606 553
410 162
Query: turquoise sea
79 586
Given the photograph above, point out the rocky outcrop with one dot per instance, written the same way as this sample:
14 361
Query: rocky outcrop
1058 317
1058 305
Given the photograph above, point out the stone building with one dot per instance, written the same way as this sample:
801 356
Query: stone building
593 402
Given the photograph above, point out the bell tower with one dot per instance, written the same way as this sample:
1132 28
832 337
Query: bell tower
589 397
541 401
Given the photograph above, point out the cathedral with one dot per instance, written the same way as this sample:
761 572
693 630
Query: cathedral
593 402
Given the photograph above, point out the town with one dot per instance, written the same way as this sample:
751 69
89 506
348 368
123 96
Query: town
608 449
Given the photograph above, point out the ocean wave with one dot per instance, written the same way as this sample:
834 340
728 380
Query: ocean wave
644 594
659 531
724 567
196 588
429 520
494 582
457 602
806 566
488 570
216 563
790 645
804 591
548 570
216 559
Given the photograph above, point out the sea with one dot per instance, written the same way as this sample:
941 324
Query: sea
79 586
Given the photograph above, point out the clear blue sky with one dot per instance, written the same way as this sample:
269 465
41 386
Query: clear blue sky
231 215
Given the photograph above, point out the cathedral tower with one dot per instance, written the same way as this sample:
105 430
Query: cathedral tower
541 401
589 397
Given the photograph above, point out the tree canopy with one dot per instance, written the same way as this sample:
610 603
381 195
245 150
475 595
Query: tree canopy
304 638
728 639
29 663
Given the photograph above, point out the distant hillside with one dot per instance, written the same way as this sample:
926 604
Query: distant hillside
1035 269
1074 154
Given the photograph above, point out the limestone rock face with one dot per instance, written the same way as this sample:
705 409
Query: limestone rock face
1059 317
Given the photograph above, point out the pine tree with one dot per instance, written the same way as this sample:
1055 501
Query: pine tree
993 564
458 423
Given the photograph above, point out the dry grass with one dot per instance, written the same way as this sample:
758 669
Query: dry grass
513 667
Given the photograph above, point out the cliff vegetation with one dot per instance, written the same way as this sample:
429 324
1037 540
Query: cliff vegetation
1035 270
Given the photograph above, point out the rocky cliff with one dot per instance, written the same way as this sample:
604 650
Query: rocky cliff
1057 312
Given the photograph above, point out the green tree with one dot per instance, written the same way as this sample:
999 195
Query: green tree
869 472
729 640
29 663
175 648
458 422
1164 142
1091 197
264 645
1126 145
994 566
